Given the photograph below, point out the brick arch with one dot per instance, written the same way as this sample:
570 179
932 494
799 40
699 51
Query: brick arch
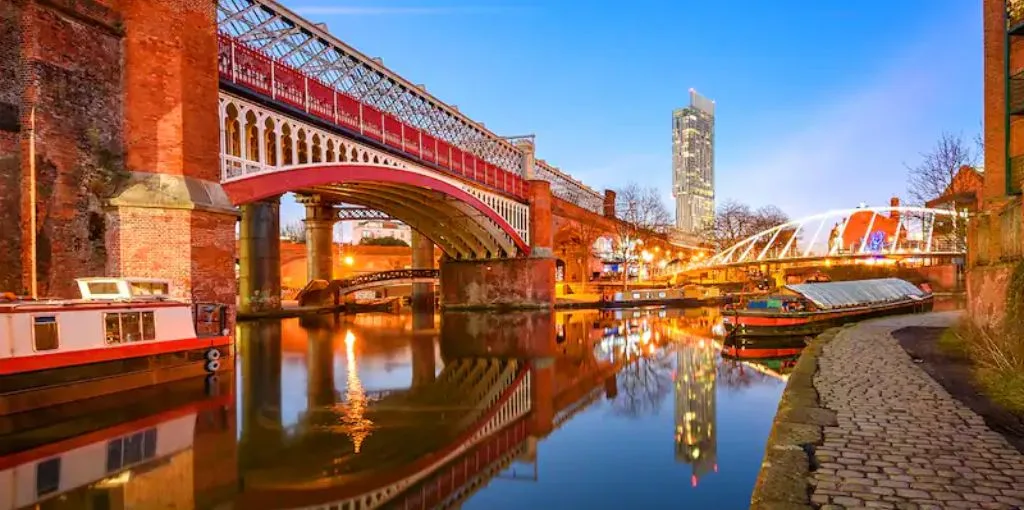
386 187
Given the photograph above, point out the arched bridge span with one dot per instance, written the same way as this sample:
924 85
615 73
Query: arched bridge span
895 232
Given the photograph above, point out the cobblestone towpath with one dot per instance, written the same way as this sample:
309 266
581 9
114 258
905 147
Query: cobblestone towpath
901 440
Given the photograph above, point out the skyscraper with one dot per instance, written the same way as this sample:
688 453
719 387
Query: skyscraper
693 164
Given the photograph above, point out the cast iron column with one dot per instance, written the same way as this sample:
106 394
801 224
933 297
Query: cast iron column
259 279
320 219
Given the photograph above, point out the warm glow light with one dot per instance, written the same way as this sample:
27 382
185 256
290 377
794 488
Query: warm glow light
356 424
115 481
349 260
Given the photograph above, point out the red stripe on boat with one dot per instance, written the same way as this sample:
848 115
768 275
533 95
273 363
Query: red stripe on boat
40 307
63 359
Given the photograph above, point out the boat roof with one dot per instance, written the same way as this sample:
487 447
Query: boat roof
858 292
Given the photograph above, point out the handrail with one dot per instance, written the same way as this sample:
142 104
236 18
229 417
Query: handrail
253 70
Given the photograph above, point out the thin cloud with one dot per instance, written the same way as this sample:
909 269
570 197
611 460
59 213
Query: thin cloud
396 11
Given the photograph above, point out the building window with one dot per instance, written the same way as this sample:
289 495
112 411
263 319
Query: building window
45 332
130 450
47 477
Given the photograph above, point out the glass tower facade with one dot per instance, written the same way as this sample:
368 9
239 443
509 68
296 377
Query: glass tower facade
693 164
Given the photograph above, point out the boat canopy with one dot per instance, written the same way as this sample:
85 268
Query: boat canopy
857 293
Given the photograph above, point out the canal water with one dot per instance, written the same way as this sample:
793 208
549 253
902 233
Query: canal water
584 409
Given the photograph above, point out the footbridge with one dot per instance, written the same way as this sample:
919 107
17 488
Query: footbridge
322 292
871 235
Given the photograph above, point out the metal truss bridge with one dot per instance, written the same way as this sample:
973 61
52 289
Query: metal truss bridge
268 52
871 233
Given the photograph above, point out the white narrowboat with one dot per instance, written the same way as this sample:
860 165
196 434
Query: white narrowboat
123 334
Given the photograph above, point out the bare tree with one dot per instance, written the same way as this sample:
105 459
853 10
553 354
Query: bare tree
731 225
294 232
934 174
642 216
580 243
735 222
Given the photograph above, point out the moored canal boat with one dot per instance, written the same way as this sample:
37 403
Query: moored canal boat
124 333
811 308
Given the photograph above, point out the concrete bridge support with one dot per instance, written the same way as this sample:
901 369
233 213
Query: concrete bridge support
508 283
320 220
422 258
260 256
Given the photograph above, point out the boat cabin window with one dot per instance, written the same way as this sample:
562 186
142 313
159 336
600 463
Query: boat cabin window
124 327
100 288
47 476
149 288
45 333
129 450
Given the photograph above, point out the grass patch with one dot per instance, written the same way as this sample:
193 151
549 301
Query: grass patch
1004 387
997 357
952 344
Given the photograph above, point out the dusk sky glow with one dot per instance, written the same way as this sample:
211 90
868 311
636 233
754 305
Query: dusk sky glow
818 104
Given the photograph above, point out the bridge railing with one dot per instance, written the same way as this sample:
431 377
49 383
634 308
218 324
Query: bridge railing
382 276
861 233
566 188
255 71
270 50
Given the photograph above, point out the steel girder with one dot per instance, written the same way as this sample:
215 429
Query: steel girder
272 28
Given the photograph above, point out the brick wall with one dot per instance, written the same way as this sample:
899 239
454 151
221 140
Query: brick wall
994 240
67 63
500 283
10 157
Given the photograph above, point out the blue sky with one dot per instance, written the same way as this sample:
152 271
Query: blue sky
819 104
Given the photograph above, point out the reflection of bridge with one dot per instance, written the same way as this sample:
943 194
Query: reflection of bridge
401 440
895 233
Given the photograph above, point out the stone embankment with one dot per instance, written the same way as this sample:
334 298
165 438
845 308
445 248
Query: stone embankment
860 425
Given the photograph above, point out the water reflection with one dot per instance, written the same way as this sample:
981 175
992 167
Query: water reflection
419 411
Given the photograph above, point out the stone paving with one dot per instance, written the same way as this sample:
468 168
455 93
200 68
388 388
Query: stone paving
902 441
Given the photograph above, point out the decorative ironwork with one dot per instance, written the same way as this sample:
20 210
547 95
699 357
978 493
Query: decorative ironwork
360 214
269 49
279 33
275 142
864 233
387 276
566 188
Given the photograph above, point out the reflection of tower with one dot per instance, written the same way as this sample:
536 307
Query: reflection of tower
696 437
356 425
